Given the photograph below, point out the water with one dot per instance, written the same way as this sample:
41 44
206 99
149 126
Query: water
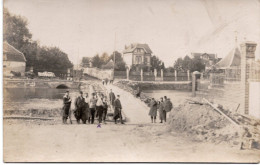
34 98
177 97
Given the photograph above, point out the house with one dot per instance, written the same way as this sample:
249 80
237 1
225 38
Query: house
13 60
208 58
137 54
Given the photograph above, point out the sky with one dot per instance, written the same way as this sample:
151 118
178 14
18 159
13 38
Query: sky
172 28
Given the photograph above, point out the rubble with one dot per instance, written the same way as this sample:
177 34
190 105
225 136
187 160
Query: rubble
204 123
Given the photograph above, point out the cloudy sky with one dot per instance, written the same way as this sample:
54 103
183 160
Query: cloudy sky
172 28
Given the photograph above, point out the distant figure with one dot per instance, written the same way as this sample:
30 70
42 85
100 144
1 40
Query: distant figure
162 112
106 80
105 106
138 94
153 110
99 108
112 97
92 107
66 107
118 110
167 106
79 112
103 81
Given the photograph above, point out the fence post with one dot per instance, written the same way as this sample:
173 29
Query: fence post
127 73
194 82
175 74
162 74
155 73
247 55
188 73
142 74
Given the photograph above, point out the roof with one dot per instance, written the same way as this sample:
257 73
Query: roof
12 54
232 59
211 55
132 47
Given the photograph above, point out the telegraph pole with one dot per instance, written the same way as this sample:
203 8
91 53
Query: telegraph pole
114 54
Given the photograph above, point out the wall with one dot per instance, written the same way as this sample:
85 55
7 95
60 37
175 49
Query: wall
99 73
254 101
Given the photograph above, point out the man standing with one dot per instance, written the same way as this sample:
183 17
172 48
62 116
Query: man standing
162 113
167 106
66 107
80 108
112 97
99 107
153 110
86 113
92 107
104 109
118 109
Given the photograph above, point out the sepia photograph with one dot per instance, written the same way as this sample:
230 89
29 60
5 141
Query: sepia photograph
131 81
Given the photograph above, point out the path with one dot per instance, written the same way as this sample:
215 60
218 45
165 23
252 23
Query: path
135 110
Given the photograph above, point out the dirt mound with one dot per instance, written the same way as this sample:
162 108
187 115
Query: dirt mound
203 123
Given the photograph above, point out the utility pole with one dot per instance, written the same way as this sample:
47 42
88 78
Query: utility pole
114 54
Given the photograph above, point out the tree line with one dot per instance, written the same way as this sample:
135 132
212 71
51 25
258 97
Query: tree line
41 58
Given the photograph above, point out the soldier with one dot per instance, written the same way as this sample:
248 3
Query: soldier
162 113
112 97
80 108
118 109
66 107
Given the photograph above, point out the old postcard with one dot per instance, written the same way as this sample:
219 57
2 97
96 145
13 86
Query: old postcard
131 81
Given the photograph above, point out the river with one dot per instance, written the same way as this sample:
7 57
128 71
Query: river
34 98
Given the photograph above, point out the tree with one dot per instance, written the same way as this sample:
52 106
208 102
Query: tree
192 64
96 62
119 61
104 58
85 61
156 63
18 35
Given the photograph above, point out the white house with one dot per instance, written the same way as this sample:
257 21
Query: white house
13 60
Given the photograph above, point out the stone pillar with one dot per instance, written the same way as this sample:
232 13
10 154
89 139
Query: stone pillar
155 73
142 74
162 74
247 56
188 73
175 74
194 82
127 73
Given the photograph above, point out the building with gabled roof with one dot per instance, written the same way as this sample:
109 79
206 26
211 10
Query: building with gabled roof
231 60
13 60
137 54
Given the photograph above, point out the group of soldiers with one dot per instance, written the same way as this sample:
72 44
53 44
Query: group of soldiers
86 109
163 106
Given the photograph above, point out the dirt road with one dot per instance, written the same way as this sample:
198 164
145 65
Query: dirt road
52 142
136 141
